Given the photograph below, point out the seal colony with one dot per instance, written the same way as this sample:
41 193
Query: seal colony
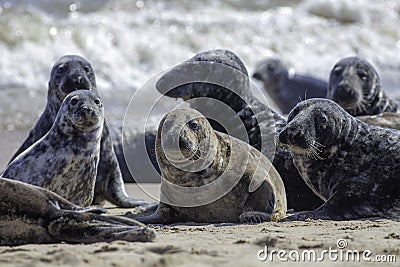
34 215
355 85
65 159
285 88
353 166
194 159
255 117
68 74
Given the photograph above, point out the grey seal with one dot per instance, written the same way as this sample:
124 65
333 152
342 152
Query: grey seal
355 85
34 215
68 74
65 160
385 120
192 155
254 115
352 165
286 88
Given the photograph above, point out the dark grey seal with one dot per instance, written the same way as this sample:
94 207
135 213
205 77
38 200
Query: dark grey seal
34 215
193 156
65 160
254 115
68 74
353 166
287 89
355 85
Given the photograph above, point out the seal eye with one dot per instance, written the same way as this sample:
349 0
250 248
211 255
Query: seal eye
193 126
363 76
97 101
74 101
61 69
338 70
321 119
87 68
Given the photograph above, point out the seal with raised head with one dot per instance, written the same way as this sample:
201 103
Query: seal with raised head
285 88
211 177
34 215
68 74
229 85
65 159
355 85
352 165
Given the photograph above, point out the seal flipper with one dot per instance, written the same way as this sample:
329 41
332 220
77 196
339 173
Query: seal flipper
109 184
163 215
89 228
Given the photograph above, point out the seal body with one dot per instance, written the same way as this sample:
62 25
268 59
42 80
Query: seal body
68 74
34 215
353 166
229 85
287 89
65 160
385 120
193 157
355 85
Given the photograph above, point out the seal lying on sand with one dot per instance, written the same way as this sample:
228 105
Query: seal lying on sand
355 85
68 74
210 177
34 215
353 166
228 84
287 89
65 159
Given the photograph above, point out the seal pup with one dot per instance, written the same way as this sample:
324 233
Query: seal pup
254 115
350 164
68 74
355 85
34 215
287 88
65 159
211 177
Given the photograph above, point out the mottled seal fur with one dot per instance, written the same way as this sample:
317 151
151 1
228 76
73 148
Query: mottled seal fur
386 120
353 166
355 85
68 74
286 88
191 155
34 215
253 114
65 159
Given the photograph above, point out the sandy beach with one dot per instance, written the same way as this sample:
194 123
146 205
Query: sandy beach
226 245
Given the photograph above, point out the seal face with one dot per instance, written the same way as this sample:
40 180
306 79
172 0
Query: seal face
34 215
68 74
355 85
232 89
353 166
65 160
287 89
193 158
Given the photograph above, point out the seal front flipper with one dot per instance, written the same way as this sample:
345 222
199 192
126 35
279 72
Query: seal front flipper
254 217
89 228
109 184
163 215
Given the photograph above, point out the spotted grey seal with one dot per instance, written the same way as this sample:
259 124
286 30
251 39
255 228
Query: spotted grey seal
254 115
286 88
352 165
355 85
65 159
68 74
203 162
34 215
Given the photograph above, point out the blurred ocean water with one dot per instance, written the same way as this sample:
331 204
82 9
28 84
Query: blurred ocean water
129 41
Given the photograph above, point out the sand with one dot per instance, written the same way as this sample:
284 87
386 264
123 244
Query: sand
220 245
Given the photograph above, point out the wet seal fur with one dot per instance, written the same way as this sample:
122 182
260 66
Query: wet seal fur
353 166
355 85
257 196
65 160
68 74
253 114
286 88
34 215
